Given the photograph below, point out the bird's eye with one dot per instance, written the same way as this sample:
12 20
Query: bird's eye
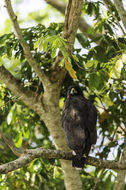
73 91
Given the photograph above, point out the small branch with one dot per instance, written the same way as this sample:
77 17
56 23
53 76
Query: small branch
10 144
33 63
121 11
107 4
27 96
31 154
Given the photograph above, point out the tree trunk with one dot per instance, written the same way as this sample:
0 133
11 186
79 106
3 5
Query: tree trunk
52 120
119 183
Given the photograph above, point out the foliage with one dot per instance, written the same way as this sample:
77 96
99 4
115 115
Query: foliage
100 69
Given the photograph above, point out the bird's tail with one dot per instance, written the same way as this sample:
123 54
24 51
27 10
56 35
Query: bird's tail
78 161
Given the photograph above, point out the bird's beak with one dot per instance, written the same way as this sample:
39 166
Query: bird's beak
73 91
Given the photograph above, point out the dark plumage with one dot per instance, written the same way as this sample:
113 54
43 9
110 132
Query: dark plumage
79 123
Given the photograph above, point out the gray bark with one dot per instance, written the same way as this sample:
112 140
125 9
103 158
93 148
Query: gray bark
26 156
83 25
120 180
121 11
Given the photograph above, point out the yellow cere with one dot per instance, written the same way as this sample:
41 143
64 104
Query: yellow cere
73 90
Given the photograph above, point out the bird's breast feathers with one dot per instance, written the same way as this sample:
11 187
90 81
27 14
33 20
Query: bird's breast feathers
74 114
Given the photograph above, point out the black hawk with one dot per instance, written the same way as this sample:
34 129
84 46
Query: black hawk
79 123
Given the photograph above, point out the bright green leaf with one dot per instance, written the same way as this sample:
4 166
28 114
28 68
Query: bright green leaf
53 54
75 57
25 132
18 143
36 44
12 115
9 118
116 70
40 45
107 100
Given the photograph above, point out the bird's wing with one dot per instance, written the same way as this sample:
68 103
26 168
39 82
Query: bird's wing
72 121
91 123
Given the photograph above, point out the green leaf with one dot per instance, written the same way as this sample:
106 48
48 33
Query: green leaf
56 172
53 54
36 44
56 43
64 52
25 132
45 45
61 103
83 40
93 81
107 100
9 118
13 65
40 45
89 63
12 115
18 143
116 70
123 73
75 57
3 50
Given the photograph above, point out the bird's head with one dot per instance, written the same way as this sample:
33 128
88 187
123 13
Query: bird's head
74 90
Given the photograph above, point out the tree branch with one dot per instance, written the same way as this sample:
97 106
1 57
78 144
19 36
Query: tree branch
59 5
83 26
31 154
107 4
28 97
10 144
72 16
121 11
33 63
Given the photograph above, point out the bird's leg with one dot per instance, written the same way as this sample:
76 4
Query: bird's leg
78 161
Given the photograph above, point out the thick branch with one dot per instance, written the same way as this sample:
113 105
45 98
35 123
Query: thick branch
59 5
31 154
34 64
121 11
72 16
28 97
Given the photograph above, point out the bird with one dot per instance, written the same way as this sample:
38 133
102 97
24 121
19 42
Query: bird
79 117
